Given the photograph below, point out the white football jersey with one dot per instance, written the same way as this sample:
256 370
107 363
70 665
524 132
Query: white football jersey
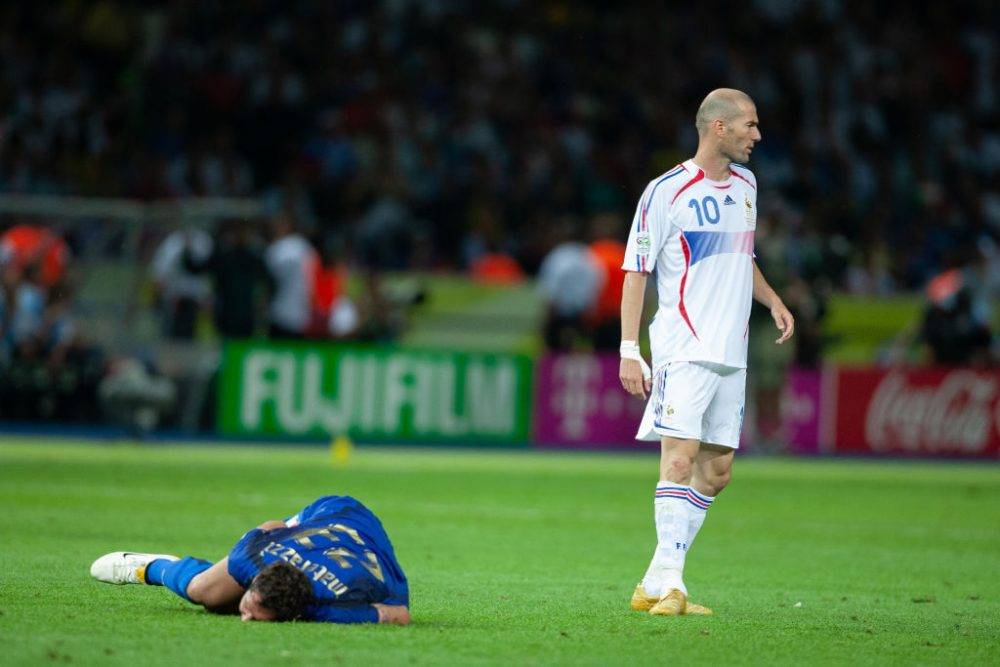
698 235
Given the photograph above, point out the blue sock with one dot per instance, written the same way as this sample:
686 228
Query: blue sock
175 574
155 571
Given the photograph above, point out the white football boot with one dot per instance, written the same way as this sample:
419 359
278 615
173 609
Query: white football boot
124 567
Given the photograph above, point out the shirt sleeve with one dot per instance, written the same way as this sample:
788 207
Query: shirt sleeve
240 566
649 231
339 614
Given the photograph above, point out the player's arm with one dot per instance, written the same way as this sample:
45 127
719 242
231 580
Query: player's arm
273 524
369 613
763 293
630 372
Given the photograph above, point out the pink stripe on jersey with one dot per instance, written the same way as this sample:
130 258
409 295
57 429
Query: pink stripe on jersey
743 179
706 244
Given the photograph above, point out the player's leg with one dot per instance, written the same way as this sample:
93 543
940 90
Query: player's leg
197 581
680 396
193 579
723 422
215 589
664 578
713 464
176 575
712 471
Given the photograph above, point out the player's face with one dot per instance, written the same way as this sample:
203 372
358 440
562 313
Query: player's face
741 135
251 609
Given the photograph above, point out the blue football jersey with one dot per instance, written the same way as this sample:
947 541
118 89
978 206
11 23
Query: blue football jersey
343 549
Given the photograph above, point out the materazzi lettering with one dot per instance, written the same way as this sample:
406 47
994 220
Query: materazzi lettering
954 414
315 570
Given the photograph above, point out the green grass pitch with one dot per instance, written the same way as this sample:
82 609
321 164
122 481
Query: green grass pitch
513 558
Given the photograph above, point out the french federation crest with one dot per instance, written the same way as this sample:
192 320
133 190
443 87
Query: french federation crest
748 209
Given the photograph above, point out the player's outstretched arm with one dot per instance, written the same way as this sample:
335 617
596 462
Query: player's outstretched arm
763 293
633 371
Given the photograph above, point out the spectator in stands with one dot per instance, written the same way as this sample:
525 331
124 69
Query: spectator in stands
235 266
24 245
496 267
569 281
607 251
46 371
955 328
335 314
292 264
333 102
180 292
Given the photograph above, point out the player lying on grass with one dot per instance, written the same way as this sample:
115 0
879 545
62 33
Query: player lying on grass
330 562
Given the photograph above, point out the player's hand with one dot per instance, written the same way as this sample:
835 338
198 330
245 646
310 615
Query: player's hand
633 371
784 321
392 613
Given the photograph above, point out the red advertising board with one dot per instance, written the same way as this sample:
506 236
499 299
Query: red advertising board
954 412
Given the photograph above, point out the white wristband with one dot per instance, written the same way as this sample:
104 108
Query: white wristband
629 349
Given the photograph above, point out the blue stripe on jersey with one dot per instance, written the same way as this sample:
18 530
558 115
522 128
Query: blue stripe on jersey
670 174
706 244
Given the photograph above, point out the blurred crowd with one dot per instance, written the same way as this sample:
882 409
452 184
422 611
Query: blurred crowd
249 278
46 369
268 279
482 136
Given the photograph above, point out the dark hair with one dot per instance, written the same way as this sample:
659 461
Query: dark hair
284 590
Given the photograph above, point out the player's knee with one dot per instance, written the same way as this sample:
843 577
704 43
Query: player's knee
720 480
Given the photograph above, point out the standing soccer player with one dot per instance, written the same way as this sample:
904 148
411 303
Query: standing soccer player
695 225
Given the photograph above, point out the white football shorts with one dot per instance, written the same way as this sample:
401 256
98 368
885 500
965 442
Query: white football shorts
697 401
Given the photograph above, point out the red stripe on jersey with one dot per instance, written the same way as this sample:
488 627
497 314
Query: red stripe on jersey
687 265
645 208
694 180
740 177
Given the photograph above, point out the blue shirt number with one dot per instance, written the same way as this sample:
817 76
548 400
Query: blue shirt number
707 209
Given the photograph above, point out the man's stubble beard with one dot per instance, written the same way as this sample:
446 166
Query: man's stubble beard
734 158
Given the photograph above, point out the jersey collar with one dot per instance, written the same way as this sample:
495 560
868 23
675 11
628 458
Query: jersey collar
695 169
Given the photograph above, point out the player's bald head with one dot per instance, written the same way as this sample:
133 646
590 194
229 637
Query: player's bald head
721 104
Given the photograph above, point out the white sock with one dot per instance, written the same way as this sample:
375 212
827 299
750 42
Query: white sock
670 511
697 509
